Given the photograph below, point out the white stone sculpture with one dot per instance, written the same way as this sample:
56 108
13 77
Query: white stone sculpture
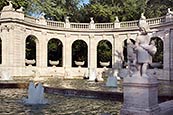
9 7
30 62
99 77
105 64
170 12
144 47
79 63
54 63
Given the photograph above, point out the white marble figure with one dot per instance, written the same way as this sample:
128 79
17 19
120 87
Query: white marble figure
131 55
99 77
144 47
170 12
35 94
9 7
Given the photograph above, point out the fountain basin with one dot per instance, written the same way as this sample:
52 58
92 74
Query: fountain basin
105 94
10 100
63 99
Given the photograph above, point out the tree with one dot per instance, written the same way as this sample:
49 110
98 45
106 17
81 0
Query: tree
79 52
56 9
55 51
104 52
156 8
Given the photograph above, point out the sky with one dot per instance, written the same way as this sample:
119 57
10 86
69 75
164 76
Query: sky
85 1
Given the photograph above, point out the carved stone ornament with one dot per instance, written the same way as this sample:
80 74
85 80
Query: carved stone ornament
7 27
23 29
91 35
67 35
9 7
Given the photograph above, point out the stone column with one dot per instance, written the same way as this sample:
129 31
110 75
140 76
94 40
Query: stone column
168 54
19 46
5 35
68 52
115 60
92 54
140 96
8 44
42 50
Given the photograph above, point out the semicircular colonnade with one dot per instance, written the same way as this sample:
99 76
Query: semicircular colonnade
15 28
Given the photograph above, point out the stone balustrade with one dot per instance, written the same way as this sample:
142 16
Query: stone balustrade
79 25
125 24
128 24
55 24
154 21
104 25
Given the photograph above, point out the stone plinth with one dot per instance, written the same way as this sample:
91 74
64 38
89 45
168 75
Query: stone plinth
140 96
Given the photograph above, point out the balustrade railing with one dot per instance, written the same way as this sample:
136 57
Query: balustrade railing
55 24
125 24
104 25
79 25
153 21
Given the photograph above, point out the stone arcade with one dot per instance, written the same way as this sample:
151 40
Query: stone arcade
15 27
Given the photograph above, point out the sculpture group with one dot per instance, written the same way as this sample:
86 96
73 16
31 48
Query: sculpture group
140 54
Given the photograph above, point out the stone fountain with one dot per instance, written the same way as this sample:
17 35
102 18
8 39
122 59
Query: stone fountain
111 81
35 94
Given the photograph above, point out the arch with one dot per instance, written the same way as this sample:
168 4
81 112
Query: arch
158 57
55 51
30 48
104 53
79 52
125 52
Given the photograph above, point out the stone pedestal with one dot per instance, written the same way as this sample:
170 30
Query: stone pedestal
140 95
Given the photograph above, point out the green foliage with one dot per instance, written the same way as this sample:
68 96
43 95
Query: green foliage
79 52
104 52
3 3
55 9
30 47
101 10
158 57
55 51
